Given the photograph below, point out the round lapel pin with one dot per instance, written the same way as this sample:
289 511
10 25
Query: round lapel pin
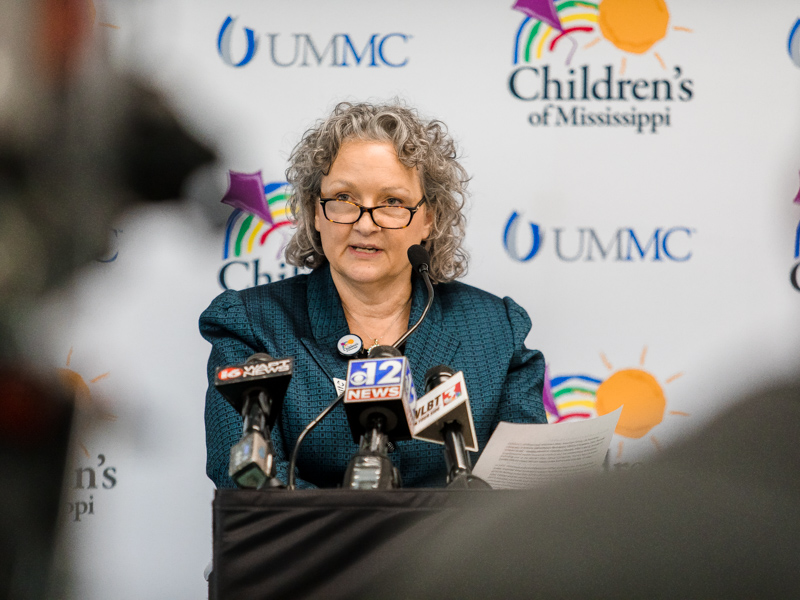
349 345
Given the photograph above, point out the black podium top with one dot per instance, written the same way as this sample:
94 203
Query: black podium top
321 543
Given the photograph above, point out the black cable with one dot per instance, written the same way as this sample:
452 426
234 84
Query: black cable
423 270
293 460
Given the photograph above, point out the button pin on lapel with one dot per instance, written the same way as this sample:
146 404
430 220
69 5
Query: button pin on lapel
349 345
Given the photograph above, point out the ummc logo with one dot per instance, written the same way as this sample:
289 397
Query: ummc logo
586 244
224 43
794 43
300 49
510 239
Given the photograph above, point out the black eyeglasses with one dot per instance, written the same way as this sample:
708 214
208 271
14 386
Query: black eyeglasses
385 217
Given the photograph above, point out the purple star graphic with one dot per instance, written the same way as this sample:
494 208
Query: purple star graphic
797 198
246 192
543 10
547 394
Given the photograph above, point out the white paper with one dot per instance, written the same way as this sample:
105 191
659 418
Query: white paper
528 455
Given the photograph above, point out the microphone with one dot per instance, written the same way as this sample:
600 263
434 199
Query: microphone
378 397
443 416
419 258
256 390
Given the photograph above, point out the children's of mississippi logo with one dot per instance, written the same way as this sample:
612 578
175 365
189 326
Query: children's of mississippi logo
256 233
96 477
554 40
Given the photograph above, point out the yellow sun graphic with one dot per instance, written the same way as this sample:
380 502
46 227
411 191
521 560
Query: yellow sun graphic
634 26
83 396
641 396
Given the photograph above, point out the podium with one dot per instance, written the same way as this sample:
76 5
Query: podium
321 543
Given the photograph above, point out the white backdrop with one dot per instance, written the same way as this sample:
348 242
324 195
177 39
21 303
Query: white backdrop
710 316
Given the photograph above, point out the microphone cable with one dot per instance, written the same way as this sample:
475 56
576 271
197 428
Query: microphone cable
293 460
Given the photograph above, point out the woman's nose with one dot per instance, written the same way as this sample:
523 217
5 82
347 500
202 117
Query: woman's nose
365 223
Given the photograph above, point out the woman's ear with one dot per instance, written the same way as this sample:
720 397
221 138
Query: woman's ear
426 230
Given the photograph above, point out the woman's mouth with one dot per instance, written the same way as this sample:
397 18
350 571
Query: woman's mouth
366 249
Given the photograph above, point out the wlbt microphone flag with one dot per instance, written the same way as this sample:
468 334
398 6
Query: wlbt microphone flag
380 387
445 403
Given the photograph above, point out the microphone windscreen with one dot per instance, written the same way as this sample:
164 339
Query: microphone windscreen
437 375
418 256
383 352
259 356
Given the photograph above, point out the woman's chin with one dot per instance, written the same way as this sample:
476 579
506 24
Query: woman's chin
366 275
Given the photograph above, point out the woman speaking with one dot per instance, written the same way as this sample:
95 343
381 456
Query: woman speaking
369 182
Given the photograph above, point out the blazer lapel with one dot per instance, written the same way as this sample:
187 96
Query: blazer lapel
431 344
328 323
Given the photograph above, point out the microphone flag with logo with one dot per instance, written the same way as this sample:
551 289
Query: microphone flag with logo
446 402
380 387
256 390
260 371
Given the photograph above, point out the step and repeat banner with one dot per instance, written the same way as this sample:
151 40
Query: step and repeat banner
635 187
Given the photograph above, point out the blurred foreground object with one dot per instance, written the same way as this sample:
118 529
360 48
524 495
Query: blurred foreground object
36 416
715 517
78 144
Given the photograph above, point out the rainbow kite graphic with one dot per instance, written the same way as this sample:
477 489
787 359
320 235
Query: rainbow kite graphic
631 26
794 43
797 197
258 213
570 397
534 37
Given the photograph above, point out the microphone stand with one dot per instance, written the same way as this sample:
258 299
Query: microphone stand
370 468
456 457
252 462
459 466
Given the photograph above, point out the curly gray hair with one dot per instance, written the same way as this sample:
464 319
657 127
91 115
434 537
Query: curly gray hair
425 145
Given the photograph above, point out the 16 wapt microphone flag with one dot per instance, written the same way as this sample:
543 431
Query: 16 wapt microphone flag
446 402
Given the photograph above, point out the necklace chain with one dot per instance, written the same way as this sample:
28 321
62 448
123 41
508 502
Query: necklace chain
379 338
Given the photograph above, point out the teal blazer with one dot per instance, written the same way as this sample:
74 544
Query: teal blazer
301 317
